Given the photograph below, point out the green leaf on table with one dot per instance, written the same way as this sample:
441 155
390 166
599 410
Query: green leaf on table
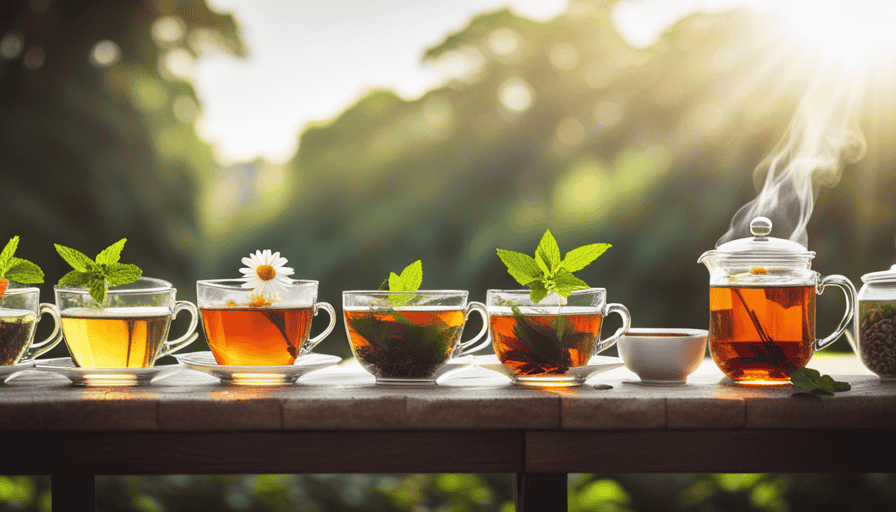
812 381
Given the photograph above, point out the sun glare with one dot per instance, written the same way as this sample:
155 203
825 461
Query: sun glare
853 34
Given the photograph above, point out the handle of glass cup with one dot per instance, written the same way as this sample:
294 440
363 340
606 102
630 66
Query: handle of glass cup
54 338
463 348
626 324
172 346
309 346
850 292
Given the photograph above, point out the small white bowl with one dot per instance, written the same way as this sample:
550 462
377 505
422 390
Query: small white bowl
663 356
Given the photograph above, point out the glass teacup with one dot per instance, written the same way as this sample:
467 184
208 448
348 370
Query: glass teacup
541 342
242 332
19 312
406 337
130 331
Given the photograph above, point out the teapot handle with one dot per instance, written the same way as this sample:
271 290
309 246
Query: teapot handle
850 292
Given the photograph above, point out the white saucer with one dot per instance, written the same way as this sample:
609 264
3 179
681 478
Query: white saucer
251 375
7 370
574 376
105 376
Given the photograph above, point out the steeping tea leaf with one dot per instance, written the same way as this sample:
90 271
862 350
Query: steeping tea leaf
18 269
546 272
98 275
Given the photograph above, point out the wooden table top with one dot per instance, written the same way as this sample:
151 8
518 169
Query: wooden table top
344 397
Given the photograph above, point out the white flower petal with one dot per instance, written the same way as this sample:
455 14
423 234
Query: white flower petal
274 258
280 262
248 271
247 262
285 271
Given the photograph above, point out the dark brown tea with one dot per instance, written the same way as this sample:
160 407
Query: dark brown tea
404 343
760 335
16 332
256 336
544 344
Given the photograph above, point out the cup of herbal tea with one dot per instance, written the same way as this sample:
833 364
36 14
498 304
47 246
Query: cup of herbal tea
244 328
405 337
541 341
130 328
20 310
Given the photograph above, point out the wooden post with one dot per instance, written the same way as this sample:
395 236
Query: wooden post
537 492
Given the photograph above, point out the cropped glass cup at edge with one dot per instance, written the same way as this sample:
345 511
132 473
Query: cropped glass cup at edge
540 342
242 332
129 331
406 337
20 311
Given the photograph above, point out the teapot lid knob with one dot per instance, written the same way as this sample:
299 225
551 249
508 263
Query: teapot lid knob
761 226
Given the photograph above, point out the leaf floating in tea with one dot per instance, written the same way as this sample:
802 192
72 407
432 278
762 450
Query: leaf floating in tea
548 347
812 381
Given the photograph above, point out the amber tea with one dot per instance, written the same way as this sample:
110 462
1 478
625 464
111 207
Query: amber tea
544 344
115 337
256 336
16 333
758 335
404 343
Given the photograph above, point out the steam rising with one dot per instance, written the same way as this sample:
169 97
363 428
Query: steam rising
823 136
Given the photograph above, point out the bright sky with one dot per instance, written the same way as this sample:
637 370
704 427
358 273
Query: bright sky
309 60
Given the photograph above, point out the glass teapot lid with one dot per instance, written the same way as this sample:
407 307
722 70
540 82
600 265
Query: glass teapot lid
884 276
760 248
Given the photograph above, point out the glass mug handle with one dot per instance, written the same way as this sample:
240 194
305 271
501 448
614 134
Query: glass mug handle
172 346
850 292
626 324
310 344
54 338
462 348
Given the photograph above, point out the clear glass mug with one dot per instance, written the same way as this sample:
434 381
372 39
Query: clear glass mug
240 331
407 337
541 342
20 311
129 331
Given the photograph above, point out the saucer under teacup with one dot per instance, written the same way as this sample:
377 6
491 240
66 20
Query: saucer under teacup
92 377
256 375
575 376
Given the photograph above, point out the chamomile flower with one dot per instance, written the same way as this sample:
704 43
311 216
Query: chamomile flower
266 274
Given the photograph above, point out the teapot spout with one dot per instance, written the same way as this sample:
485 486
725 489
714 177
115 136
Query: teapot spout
710 259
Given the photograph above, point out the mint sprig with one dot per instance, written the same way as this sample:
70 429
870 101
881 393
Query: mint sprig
98 275
18 269
409 281
812 381
546 272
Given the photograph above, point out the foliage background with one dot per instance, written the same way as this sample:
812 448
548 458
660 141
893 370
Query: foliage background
556 124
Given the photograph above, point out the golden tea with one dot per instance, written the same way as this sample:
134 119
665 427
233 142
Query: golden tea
16 332
404 343
760 335
545 344
256 336
115 337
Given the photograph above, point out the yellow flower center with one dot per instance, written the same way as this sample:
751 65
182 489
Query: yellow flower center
266 272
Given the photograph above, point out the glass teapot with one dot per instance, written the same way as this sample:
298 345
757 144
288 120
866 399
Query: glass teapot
762 306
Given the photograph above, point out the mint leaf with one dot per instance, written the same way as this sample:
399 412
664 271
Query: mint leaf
97 290
412 276
548 252
23 271
75 279
121 273
8 251
77 259
565 283
577 259
809 380
537 291
521 267
395 283
110 255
